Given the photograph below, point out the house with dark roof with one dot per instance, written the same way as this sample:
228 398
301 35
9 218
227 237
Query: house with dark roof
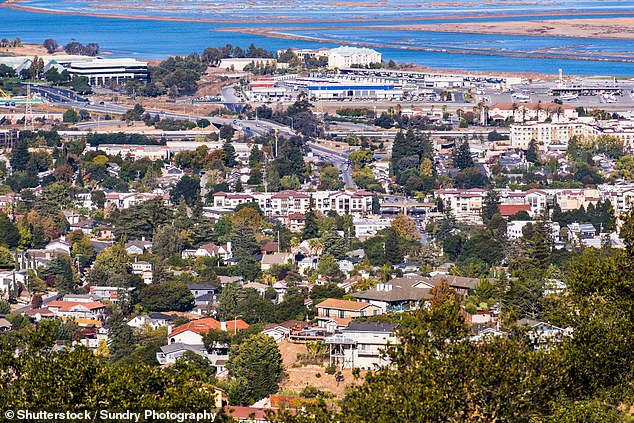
334 314
361 345
137 246
398 294
172 352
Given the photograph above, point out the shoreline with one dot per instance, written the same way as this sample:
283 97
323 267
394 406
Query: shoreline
16 5
273 33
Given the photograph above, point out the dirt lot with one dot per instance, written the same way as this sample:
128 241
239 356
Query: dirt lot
300 377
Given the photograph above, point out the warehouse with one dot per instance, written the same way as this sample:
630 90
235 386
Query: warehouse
354 91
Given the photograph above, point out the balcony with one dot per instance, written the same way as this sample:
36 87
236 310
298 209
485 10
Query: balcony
340 339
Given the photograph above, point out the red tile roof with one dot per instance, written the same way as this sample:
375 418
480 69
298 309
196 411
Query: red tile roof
202 326
507 210
67 305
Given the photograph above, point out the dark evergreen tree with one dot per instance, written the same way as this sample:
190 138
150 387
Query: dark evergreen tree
393 251
20 155
230 154
532 153
9 234
490 206
245 246
120 337
462 156
311 229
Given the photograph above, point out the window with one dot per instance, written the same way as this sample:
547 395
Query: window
342 314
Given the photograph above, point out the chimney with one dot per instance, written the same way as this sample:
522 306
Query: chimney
223 326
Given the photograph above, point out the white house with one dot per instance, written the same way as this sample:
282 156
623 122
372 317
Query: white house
360 345
192 333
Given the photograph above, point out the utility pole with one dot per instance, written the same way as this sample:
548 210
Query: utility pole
276 139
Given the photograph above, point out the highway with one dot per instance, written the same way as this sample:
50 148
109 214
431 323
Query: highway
251 127
340 159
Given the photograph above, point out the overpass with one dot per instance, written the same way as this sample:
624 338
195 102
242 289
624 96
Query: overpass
449 134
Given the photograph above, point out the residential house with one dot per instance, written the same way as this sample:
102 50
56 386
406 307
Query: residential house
114 294
276 259
59 246
334 313
368 227
280 331
10 281
211 250
482 332
85 313
259 287
542 334
398 294
154 320
138 246
296 222
192 333
360 345
37 314
170 353
143 269
205 296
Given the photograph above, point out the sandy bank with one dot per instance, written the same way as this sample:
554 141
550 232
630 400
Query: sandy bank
604 28
543 53
17 5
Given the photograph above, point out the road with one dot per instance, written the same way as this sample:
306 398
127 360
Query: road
51 297
340 159
56 95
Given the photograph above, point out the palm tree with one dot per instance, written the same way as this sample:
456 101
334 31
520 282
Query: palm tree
538 108
559 111
316 247
514 108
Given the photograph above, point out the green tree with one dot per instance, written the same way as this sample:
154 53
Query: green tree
392 248
188 188
20 155
9 233
532 153
60 273
120 337
71 116
83 250
167 241
462 156
311 229
245 246
328 267
166 296
5 307
258 362
230 154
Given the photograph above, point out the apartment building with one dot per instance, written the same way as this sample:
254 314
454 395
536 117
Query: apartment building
555 135
285 203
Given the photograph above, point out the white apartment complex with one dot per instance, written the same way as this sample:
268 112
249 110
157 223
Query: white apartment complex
345 57
287 202
555 135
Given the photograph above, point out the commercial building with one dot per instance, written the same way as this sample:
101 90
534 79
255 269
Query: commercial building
101 71
353 90
345 57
